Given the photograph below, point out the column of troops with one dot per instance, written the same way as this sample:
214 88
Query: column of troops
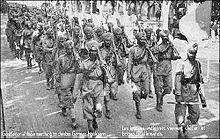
88 63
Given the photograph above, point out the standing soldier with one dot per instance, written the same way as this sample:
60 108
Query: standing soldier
111 60
92 87
77 37
89 35
27 44
17 39
66 68
47 45
163 69
187 91
38 52
139 71
150 44
120 44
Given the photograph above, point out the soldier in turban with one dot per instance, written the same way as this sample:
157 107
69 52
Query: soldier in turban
188 81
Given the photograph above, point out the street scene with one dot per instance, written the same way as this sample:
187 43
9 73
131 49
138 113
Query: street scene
110 69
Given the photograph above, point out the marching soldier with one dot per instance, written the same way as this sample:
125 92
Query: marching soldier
89 35
92 87
47 44
110 57
163 69
122 53
187 90
17 40
139 71
66 69
77 37
150 44
27 43
37 49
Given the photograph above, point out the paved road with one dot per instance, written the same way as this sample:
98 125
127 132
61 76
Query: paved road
31 110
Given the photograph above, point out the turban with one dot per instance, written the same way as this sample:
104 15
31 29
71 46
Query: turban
107 36
99 29
90 25
139 35
117 31
164 33
93 45
148 30
88 30
193 49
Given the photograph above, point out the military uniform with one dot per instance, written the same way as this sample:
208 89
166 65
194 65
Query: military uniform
17 41
92 88
37 49
187 84
163 70
122 52
66 69
139 72
27 44
47 45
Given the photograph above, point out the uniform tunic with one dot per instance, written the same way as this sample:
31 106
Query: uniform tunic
188 89
92 87
139 70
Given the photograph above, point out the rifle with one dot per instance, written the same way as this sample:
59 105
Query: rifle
104 66
77 57
199 87
118 56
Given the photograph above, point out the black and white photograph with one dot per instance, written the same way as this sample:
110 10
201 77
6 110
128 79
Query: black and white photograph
109 69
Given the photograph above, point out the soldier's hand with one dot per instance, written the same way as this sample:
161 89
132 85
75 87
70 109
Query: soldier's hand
178 98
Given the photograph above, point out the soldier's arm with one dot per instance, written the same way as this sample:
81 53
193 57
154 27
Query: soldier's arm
178 77
130 59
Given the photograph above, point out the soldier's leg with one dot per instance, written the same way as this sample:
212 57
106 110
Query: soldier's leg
61 95
194 114
167 84
27 57
151 80
136 92
106 101
114 91
51 77
72 109
180 113
88 109
158 85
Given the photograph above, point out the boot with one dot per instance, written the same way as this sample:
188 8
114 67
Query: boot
48 84
158 105
64 112
94 124
74 124
107 111
30 62
138 108
90 126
